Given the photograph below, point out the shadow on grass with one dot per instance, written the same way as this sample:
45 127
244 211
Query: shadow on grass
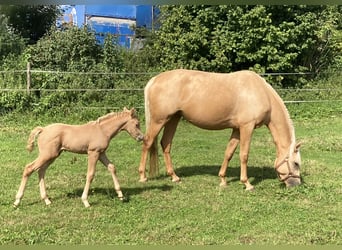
127 192
255 174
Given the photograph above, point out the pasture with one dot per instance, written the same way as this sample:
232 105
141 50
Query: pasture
196 211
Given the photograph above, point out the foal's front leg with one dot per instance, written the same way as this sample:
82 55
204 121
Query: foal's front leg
111 168
93 156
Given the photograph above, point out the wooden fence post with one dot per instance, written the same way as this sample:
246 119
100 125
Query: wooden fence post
28 78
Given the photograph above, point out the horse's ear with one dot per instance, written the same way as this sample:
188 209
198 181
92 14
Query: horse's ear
125 109
297 147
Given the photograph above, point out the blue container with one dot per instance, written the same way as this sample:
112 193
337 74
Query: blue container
117 11
146 16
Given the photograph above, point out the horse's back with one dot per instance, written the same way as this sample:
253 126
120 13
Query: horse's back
210 100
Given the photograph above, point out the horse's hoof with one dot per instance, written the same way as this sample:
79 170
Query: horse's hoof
250 188
176 180
143 180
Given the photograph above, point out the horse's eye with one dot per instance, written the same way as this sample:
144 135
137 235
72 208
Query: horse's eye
296 164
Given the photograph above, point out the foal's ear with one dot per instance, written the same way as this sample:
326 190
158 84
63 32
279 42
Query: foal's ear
297 147
133 112
125 109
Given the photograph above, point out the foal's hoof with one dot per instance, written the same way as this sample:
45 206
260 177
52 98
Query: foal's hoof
47 202
143 180
124 199
250 188
16 203
223 184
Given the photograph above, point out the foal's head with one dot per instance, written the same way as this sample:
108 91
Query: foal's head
288 169
132 126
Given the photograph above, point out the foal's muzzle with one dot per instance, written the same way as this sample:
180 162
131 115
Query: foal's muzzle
140 138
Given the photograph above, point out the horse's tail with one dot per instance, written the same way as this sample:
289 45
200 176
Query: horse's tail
154 166
34 133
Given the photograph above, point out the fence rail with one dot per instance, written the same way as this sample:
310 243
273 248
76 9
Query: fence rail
29 71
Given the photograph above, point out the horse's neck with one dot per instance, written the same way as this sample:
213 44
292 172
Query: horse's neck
282 132
113 125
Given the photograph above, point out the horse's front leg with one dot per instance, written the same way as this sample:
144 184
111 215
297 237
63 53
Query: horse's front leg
231 147
93 156
245 141
111 168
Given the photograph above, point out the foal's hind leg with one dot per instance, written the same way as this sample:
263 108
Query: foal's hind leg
40 162
111 168
42 187
231 147
166 141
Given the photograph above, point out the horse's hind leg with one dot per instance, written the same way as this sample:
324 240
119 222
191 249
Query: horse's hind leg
166 141
231 147
111 168
148 145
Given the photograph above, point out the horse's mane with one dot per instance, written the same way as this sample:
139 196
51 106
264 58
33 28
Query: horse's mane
287 115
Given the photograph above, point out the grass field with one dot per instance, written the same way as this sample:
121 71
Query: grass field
194 212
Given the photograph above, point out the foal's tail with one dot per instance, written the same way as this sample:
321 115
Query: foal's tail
34 133
154 166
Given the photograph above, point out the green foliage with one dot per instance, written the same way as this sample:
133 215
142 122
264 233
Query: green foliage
263 38
219 38
70 49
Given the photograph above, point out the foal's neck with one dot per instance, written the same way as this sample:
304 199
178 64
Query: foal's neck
113 125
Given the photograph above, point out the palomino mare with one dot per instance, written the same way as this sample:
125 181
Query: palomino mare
92 138
242 101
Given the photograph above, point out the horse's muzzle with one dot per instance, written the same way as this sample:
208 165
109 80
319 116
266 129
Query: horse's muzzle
292 182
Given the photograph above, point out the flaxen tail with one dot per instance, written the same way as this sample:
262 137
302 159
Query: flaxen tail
34 133
154 164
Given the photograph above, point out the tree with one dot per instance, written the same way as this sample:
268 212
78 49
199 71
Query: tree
10 43
30 21
263 38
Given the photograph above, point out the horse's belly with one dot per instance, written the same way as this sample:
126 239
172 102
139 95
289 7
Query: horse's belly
211 121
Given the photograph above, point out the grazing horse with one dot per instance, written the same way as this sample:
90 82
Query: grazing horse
92 138
241 100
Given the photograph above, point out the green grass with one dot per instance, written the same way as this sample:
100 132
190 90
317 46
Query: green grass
194 212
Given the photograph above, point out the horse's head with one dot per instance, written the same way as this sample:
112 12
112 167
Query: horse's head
132 126
288 169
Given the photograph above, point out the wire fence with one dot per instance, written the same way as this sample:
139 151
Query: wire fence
289 95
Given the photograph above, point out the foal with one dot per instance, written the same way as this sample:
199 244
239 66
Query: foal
92 138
